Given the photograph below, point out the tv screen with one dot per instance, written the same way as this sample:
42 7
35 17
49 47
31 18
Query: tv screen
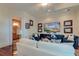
52 27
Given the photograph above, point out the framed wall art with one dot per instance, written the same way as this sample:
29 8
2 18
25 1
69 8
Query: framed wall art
68 30
31 22
39 27
27 25
68 23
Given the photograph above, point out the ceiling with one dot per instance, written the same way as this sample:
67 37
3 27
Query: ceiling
37 10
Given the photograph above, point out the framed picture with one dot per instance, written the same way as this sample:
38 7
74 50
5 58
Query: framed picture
39 27
40 30
40 24
68 23
52 27
68 30
31 22
27 25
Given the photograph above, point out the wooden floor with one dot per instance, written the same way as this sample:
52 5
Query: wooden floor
6 51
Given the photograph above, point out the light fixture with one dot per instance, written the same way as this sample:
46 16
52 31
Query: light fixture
15 24
44 4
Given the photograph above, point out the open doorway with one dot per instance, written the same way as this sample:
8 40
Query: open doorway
16 27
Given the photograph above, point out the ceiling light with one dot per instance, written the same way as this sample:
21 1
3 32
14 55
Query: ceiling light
15 24
44 4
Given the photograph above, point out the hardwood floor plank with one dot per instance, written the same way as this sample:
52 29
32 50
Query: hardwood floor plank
6 51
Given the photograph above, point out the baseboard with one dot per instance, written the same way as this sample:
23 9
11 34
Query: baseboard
4 45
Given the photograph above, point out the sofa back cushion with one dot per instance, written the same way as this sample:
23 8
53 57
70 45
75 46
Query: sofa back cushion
76 42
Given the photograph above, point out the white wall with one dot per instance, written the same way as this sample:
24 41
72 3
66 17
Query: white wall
27 33
5 37
70 15
64 15
6 16
77 22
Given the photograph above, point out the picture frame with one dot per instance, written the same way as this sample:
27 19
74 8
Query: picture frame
39 27
27 25
55 27
40 30
31 22
68 23
40 24
68 30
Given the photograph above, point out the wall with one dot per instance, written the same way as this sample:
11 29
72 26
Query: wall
77 21
5 37
27 33
72 14
63 15
6 15
68 15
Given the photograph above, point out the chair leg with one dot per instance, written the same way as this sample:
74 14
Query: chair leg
36 44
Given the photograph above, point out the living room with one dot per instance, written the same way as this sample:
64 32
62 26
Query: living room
44 20
65 24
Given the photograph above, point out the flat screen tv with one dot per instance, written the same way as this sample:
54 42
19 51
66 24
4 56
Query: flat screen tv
52 27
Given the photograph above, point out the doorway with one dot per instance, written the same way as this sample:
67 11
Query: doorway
16 27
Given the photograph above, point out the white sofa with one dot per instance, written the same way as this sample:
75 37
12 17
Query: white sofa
27 47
